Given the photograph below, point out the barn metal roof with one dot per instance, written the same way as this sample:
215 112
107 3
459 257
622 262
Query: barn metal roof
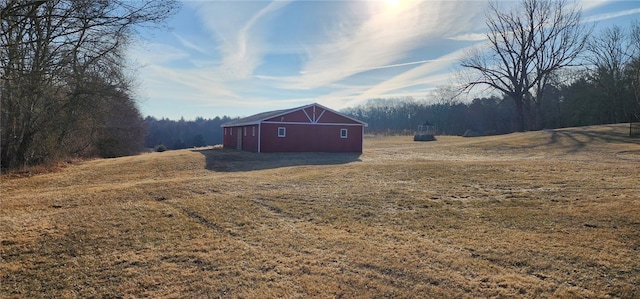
257 118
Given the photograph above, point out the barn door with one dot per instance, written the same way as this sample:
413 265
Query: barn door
239 140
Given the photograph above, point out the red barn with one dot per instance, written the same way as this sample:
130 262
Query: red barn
310 128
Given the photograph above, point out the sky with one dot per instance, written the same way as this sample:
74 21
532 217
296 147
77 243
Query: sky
238 58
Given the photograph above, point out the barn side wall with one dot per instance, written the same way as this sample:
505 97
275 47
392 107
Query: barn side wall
311 138
247 137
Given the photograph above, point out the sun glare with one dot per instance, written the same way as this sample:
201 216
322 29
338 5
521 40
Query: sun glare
393 3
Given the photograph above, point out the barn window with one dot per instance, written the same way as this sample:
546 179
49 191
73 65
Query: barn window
282 132
225 131
253 131
343 133
230 131
244 130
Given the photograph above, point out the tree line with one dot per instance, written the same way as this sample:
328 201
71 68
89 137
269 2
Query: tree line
404 115
64 89
165 134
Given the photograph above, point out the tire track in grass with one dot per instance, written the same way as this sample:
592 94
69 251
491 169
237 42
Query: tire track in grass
274 209
197 217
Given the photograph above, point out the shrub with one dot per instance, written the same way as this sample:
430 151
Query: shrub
161 148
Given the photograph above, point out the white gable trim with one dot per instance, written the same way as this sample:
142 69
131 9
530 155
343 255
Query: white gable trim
321 114
306 114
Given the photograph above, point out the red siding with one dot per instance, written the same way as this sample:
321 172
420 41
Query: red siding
229 138
249 141
311 138
330 117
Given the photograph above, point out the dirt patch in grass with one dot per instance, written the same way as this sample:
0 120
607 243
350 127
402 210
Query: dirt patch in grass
525 215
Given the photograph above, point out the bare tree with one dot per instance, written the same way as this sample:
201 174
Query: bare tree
57 59
611 53
633 69
526 45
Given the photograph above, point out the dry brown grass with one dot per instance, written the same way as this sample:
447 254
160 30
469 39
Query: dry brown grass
543 214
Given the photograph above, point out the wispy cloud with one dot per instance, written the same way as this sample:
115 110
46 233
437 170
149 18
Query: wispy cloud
187 44
381 40
587 5
214 78
417 82
470 37
155 53
186 84
613 15
380 43
235 26
426 73
156 63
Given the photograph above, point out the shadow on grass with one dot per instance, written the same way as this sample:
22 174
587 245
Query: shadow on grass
579 139
225 160
576 140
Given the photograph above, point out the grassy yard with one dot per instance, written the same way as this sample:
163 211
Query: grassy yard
552 214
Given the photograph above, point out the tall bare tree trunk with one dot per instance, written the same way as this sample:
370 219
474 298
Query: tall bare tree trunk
526 45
